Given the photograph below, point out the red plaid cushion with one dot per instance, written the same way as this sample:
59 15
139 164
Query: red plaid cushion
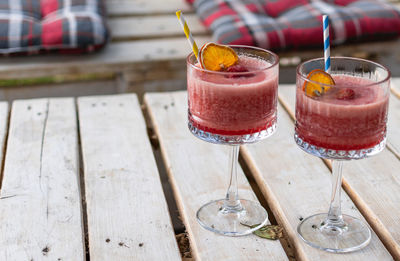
284 24
50 6
26 7
46 25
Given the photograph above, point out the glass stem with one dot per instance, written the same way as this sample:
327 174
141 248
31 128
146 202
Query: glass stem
232 203
335 218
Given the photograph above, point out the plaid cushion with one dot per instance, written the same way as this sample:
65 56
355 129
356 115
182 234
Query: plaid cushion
30 26
50 6
285 24
25 7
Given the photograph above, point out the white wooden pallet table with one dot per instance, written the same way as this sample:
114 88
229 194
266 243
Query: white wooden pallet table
79 181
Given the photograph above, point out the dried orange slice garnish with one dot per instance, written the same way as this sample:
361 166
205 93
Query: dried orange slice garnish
314 89
216 57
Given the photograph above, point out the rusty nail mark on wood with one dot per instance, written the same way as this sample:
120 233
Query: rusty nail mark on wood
122 244
45 250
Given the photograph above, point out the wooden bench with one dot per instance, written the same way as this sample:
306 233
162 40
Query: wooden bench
147 51
80 182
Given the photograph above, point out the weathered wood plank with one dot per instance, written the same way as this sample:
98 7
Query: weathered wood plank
145 7
372 183
297 185
41 204
3 132
393 139
198 173
394 118
126 210
133 28
143 55
396 86
59 90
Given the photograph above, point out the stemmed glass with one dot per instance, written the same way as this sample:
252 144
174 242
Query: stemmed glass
346 121
233 108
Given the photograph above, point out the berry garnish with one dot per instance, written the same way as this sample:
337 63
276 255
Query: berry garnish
240 69
345 94
216 57
313 89
237 68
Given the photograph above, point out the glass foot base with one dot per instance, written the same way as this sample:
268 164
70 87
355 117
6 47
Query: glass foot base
229 222
354 235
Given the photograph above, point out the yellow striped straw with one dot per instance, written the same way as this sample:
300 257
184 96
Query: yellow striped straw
188 33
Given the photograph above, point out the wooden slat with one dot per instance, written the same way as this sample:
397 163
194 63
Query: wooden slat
143 56
59 90
126 210
145 7
396 86
3 132
394 118
131 28
297 185
41 203
198 173
388 48
393 142
372 183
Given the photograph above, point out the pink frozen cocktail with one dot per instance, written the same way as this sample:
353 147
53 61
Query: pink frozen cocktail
351 116
340 115
239 101
232 98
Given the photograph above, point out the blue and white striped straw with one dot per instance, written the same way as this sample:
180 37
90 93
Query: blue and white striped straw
327 44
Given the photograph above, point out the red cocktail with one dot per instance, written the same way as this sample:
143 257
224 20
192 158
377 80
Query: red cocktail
226 106
233 106
238 104
334 121
343 120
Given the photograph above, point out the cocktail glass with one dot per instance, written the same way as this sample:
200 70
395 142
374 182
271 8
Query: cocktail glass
233 108
346 122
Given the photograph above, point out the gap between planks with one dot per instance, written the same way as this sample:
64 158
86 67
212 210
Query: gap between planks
5 123
378 227
82 188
